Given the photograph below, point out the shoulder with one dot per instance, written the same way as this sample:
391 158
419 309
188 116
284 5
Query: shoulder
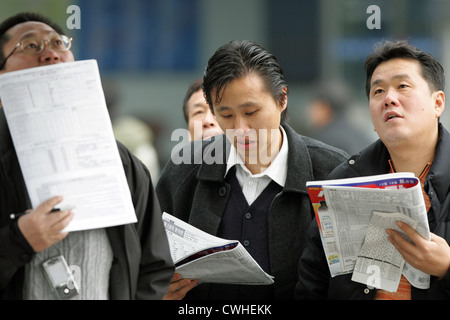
137 174
319 152
190 160
370 161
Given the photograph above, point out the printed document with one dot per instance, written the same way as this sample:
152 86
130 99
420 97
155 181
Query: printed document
199 255
62 133
353 215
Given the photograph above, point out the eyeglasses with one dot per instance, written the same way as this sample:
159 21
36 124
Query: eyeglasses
34 46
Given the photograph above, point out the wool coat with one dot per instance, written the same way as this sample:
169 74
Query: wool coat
197 193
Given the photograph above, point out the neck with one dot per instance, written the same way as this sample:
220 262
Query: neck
412 158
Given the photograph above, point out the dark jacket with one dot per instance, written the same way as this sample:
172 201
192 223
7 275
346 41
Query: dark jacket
142 266
197 193
314 277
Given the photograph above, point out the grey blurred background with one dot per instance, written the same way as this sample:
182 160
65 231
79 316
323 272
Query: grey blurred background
149 51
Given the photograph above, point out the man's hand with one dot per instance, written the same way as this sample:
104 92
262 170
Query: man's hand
41 228
430 256
179 287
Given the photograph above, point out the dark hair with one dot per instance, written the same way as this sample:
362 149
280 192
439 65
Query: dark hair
237 59
432 70
193 88
21 18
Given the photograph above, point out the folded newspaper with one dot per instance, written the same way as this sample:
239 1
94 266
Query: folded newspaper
199 255
353 215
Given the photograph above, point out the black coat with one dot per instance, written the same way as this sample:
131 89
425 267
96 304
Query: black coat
315 281
198 194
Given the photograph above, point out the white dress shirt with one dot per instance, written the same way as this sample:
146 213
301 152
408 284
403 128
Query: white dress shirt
253 184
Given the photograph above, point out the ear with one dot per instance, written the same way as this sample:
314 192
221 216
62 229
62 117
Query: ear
439 102
284 100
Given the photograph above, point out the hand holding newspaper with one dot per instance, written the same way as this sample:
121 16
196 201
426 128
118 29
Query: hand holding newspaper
62 134
199 255
353 215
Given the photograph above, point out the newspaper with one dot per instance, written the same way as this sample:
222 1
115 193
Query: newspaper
62 134
199 255
353 215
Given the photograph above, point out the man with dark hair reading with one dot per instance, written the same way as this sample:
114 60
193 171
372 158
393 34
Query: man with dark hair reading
256 192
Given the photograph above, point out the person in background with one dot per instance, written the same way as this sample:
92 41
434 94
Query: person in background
125 262
255 190
404 86
201 125
198 116
328 116
132 131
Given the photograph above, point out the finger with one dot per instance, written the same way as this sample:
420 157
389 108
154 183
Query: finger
179 289
46 206
172 291
435 238
60 220
177 285
59 236
54 217
185 289
175 277
399 242
412 234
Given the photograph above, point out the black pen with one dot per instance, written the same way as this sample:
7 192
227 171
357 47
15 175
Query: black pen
13 216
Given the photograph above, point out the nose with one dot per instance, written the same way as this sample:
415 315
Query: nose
49 56
390 99
209 120
241 125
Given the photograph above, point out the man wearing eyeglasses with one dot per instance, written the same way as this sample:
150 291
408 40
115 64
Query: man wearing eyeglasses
125 262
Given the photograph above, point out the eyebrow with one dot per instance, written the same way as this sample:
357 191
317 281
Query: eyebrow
244 105
396 77
199 104
33 33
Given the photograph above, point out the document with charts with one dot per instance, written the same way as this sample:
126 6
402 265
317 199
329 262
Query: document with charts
62 133
352 216
199 255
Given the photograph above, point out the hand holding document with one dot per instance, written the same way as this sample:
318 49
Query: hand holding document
199 255
62 134
353 215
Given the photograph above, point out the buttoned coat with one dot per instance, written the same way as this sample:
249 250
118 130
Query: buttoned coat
197 193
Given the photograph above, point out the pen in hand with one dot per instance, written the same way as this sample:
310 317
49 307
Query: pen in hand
13 216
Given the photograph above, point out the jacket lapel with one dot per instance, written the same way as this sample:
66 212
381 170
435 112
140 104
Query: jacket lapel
300 169
439 177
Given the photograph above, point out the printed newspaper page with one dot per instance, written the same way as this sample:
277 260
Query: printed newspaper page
199 255
63 137
379 264
344 209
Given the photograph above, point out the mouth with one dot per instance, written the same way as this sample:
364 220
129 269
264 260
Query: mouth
245 143
211 133
391 115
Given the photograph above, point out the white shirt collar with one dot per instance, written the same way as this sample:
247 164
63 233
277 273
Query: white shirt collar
277 171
